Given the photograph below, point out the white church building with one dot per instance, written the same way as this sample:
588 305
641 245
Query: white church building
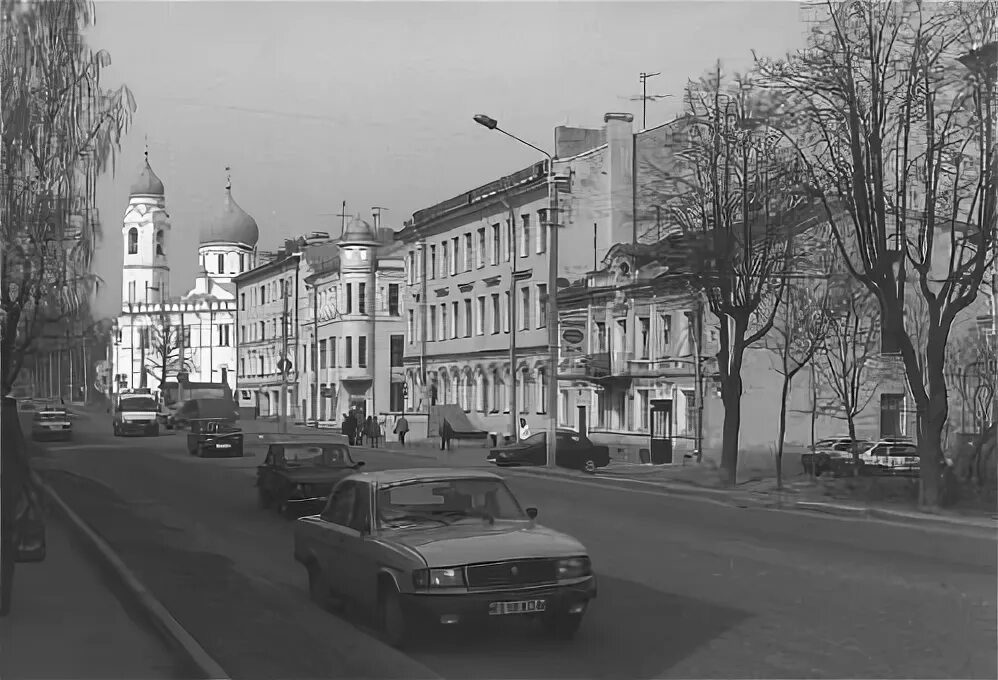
159 335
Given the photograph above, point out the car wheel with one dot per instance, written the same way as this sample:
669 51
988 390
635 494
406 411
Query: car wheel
589 466
318 587
392 622
562 626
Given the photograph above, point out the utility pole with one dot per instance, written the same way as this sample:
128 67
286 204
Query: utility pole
284 358
316 359
644 97
343 218
514 278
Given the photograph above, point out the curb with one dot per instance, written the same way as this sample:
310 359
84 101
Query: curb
162 620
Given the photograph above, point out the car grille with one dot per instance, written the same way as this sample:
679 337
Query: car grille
512 573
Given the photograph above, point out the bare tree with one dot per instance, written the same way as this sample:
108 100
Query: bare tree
60 133
898 138
847 362
735 203
169 349
970 372
797 334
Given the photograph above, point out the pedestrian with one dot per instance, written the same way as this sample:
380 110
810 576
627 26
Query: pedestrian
402 429
350 428
369 430
377 432
524 429
446 434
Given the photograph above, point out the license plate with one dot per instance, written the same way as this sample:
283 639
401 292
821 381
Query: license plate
519 607
223 446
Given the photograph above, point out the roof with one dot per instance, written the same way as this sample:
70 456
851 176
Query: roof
359 231
232 225
396 476
147 183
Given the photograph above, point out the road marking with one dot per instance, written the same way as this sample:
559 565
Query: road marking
83 447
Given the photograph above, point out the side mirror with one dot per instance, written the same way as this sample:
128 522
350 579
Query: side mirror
532 513
359 464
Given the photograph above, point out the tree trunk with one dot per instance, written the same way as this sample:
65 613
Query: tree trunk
851 420
731 397
932 422
783 431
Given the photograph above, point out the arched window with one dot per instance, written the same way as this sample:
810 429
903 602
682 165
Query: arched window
159 242
242 262
483 393
133 241
221 263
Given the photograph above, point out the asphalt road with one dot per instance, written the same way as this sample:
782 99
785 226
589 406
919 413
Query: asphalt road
688 588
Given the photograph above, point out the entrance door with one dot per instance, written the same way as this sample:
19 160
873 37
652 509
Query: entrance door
359 404
583 422
661 431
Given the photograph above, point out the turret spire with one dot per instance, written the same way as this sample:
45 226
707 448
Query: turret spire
228 178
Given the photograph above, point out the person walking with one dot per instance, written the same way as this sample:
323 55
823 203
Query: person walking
369 430
402 429
349 428
358 428
377 432
446 434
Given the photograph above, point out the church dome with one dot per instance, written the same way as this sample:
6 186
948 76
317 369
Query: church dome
147 184
233 225
358 231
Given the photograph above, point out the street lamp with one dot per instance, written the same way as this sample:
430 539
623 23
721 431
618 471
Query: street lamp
551 221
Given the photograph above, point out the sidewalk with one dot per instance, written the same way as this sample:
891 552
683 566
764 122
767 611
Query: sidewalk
66 622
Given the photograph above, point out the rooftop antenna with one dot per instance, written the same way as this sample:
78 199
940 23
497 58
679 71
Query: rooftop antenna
228 178
376 213
342 214
147 150
644 97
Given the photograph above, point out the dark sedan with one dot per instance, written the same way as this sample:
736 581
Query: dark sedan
573 450
296 477
214 439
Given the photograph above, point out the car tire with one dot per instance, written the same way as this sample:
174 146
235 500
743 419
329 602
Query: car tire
392 623
589 466
318 586
562 626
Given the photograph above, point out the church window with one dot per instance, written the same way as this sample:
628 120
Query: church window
221 263
242 262
223 335
133 241
362 298
225 375
393 299
159 242
131 292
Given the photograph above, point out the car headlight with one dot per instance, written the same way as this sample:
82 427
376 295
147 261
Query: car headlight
574 567
438 578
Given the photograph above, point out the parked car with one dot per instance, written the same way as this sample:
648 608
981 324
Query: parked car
891 456
214 438
573 450
136 414
425 547
52 424
833 455
296 477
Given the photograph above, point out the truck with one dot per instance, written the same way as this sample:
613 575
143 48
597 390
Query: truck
136 412
175 394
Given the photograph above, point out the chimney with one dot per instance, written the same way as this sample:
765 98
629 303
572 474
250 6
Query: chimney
572 141
377 221
620 164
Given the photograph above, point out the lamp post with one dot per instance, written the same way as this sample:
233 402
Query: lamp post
551 221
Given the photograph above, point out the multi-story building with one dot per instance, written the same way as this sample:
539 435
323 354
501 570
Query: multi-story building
268 341
477 276
352 329
157 336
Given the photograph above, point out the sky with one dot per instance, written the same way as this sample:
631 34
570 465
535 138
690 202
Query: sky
315 103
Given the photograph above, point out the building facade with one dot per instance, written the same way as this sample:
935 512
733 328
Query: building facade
159 336
352 329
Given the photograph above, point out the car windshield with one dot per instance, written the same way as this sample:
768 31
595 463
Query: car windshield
138 404
446 501
317 454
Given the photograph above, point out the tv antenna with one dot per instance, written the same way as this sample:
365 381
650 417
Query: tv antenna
644 97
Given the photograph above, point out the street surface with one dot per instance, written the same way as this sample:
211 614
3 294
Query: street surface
687 588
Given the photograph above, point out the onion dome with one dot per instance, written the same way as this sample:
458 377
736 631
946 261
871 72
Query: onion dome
147 184
233 225
359 231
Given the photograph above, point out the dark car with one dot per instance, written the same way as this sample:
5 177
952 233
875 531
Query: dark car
297 477
52 424
194 409
833 455
573 450
214 438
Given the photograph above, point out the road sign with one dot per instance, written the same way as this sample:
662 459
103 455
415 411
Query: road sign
573 336
284 365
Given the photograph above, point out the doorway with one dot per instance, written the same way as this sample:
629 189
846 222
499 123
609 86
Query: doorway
583 422
359 404
661 431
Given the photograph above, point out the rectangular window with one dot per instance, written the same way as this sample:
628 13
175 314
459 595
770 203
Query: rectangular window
322 354
507 317
131 292
444 259
362 351
263 294
433 262
444 326
223 335
395 397
524 308
691 412
480 316
242 333
600 336
362 298
891 415
263 330
510 239
348 352
455 311
410 327
431 330
221 263
496 244
665 335
410 266
469 318
393 299
332 353
496 314
469 252
349 298
642 407
186 337
482 247
397 350
525 235
242 302
313 361
242 366
542 237
455 249
542 305
644 333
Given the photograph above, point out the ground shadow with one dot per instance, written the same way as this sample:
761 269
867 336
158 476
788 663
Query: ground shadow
631 631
